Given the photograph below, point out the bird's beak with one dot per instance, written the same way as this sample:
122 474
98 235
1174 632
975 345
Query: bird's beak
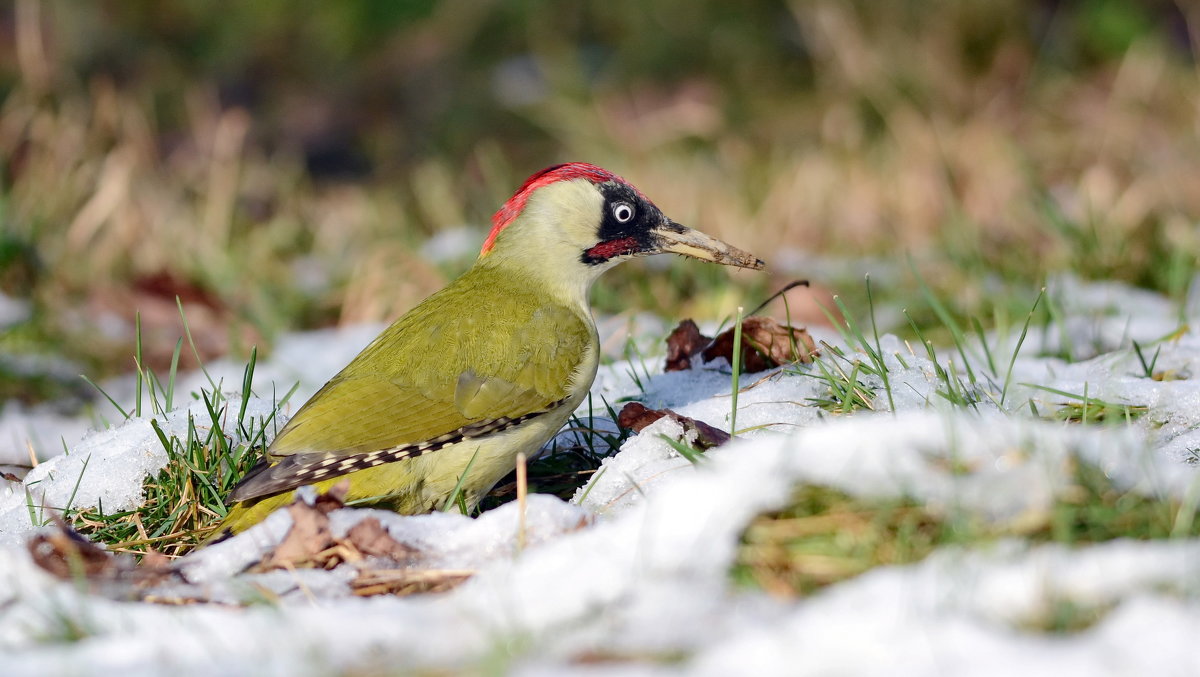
679 239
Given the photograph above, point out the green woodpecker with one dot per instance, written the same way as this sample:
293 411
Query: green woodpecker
490 366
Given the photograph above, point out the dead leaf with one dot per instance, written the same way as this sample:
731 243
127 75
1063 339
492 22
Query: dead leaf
333 499
308 537
370 538
684 343
765 344
635 416
67 555
309 543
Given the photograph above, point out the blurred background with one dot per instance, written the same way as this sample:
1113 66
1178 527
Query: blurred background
280 165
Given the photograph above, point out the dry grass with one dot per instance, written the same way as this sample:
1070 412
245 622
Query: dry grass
132 224
899 145
824 536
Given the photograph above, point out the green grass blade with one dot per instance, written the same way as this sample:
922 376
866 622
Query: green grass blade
187 331
1020 342
694 457
169 395
987 351
36 519
592 484
878 355
247 380
108 397
454 498
943 313
137 359
75 489
215 430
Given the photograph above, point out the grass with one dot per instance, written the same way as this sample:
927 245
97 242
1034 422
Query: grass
127 185
735 379
456 499
846 391
1065 617
1080 408
184 501
972 374
824 536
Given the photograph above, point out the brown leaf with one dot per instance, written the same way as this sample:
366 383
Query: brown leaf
333 499
308 537
708 435
683 344
67 555
310 543
765 344
370 538
635 416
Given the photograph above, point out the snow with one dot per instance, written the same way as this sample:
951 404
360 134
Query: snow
13 311
960 613
632 576
38 428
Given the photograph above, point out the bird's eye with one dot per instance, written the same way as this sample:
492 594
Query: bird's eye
622 212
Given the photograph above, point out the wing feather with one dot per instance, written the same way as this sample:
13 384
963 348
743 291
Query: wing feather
448 368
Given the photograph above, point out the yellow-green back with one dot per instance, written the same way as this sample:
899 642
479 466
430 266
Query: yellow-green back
449 362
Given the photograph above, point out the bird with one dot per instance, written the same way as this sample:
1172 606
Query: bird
490 366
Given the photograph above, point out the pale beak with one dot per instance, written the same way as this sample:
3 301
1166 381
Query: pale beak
678 239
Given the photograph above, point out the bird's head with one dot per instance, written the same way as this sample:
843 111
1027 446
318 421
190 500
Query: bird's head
577 220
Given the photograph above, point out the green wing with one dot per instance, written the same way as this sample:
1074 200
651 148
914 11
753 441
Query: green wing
363 413
449 368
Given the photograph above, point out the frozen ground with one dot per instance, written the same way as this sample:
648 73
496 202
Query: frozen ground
633 578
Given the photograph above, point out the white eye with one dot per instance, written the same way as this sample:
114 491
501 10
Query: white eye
622 212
